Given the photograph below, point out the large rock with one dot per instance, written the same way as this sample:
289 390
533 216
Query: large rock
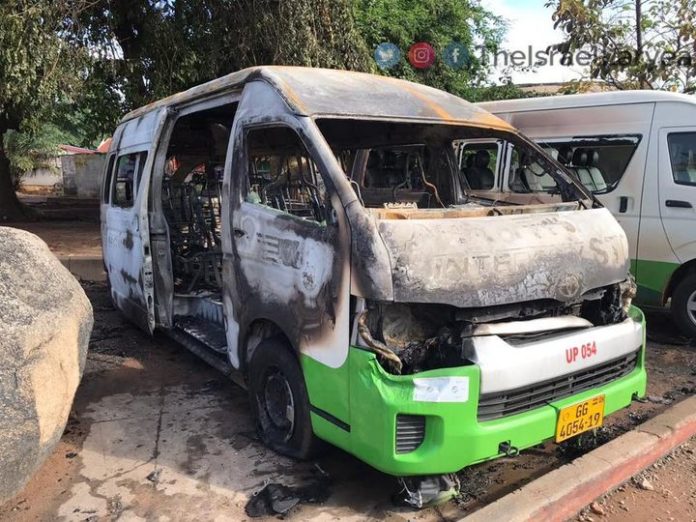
45 324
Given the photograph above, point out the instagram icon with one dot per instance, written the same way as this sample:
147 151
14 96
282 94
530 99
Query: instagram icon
421 55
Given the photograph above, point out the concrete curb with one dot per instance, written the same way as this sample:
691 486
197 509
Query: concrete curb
85 268
562 493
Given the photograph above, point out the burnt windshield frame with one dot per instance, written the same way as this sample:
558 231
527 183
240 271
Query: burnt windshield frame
351 134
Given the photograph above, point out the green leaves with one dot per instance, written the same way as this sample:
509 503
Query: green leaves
84 63
438 22
635 43
33 149
36 63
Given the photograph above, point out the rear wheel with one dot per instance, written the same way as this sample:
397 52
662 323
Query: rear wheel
683 306
279 400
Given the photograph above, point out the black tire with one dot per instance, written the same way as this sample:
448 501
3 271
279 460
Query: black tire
683 307
276 383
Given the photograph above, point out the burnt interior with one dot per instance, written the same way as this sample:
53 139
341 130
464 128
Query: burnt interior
282 174
419 165
192 197
191 204
430 336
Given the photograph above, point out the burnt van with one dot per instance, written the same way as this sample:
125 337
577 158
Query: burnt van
309 232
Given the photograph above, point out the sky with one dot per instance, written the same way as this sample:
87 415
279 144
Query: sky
530 23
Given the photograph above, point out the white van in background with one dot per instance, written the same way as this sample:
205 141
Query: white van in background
636 151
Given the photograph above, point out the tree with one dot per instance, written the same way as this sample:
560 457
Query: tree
28 151
632 44
440 23
82 64
148 49
37 69
85 63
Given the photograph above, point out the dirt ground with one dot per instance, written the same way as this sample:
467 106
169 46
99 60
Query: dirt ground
155 434
76 238
664 492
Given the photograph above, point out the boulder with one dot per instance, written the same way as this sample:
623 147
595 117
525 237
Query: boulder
45 324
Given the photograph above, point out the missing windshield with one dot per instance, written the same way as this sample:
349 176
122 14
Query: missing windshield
409 165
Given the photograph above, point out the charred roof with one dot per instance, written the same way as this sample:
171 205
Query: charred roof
335 93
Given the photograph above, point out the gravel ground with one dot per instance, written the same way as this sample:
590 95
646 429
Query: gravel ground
664 492
155 434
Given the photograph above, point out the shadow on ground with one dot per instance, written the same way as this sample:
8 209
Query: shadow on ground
155 434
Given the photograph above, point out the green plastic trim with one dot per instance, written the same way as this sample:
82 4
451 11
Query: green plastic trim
361 395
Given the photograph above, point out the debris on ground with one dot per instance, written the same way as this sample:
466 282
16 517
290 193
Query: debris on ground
597 508
474 483
581 444
637 417
426 491
154 476
646 485
664 491
278 499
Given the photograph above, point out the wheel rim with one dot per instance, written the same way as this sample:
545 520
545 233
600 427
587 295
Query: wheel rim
279 402
691 307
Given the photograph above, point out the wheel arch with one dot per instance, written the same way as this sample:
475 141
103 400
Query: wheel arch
680 273
259 330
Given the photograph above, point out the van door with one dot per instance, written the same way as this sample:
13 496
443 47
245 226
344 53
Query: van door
677 189
286 241
126 237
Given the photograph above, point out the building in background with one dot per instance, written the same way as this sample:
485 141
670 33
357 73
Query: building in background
74 171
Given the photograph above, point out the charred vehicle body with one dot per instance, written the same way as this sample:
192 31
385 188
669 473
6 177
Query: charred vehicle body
310 232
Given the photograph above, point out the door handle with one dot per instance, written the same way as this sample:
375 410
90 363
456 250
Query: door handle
676 203
623 204
238 232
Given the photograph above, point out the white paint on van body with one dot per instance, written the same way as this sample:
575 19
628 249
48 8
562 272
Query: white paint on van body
655 232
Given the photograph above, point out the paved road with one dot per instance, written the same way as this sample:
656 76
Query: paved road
155 434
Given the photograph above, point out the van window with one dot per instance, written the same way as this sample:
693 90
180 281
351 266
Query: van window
282 175
402 176
478 164
527 174
599 161
108 177
129 169
682 155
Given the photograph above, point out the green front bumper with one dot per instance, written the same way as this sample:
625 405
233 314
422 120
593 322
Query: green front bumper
365 424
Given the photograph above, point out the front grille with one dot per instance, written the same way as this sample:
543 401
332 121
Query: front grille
511 402
410 432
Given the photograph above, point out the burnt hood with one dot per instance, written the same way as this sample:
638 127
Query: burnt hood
496 260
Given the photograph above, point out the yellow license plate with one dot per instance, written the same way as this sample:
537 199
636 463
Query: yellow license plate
578 418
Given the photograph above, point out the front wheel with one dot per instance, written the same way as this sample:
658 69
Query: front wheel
683 306
279 400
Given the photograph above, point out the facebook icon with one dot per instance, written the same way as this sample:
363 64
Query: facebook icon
456 55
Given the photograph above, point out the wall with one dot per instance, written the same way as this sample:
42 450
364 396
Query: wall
82 174
44 180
